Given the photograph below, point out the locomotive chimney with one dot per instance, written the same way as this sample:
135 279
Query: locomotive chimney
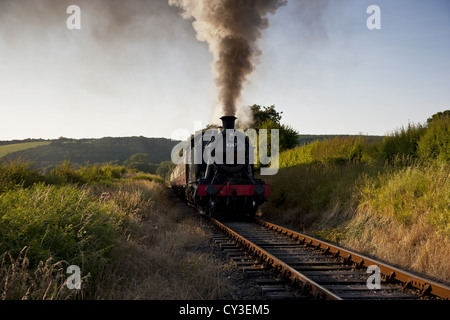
228 122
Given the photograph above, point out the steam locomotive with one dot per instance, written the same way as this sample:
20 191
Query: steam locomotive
217 172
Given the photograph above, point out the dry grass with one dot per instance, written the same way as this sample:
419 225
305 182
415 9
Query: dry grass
159 252
417 247
161 259
46 282
404 218
400 214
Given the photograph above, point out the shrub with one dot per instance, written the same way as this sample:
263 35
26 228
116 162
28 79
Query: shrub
402 143
14 174
435 143
64 173
64 223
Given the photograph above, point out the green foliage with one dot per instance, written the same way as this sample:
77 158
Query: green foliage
165 169
411 193
435 143
329 178
268 118
137 158
338 150
263 114
402 143
141 162
63 222
88 174
148 177
438 116
15 174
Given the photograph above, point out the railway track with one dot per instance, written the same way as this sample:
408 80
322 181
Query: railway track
290 265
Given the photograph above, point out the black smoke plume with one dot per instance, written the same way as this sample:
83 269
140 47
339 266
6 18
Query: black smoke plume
232 29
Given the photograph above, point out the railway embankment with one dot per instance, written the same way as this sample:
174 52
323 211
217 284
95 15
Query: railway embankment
388 198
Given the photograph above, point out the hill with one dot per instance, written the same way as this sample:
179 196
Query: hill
19 146
104 150
45 154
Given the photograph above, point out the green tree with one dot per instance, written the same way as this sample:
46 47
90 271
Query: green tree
165 169
435 143
141 162
262 114
268 118
437 116
137 158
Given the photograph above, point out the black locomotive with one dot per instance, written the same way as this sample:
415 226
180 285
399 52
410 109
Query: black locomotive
217 174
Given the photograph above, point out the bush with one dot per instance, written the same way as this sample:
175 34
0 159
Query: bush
402 143
14 174
88 174
435 143
64 223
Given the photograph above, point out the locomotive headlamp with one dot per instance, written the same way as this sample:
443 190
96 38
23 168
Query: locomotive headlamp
211 190
260 190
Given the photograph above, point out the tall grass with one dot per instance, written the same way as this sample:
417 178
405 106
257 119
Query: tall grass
334 151
61 223
410 194
435 143
402 142
389 198
121 229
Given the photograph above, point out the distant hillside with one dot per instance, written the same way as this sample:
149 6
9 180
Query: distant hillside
7 148
45 154
104 150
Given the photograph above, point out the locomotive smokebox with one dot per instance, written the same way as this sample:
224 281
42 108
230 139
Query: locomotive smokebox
228 122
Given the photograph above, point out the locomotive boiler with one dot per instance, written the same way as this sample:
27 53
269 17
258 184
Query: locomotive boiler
217 173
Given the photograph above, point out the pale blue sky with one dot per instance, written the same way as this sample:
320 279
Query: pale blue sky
320 65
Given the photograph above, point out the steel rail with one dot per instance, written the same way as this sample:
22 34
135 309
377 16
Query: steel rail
408 279
316 290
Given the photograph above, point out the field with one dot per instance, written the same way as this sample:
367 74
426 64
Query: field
10 148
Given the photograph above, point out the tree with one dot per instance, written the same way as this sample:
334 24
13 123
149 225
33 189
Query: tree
262 114
439 115
435 143
137 158
141 162
165 169
268 118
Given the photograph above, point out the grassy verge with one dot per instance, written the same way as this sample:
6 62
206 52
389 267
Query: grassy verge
389 199
121 229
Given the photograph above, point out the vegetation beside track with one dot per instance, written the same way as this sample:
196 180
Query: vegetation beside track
387 198
121 228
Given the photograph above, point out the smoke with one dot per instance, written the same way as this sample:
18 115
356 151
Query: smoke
232 29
